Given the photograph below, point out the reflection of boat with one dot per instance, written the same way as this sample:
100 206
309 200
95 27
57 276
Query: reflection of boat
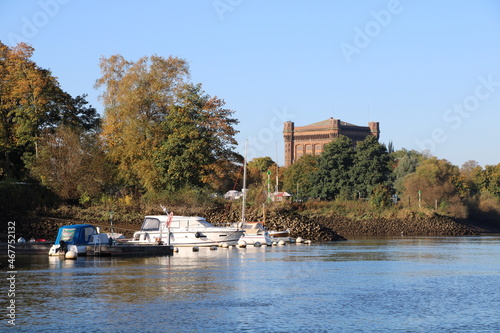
255 232
184 231
76 238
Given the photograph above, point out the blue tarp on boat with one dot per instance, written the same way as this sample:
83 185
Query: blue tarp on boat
77 234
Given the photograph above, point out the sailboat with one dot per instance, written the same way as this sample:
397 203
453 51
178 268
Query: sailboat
254 232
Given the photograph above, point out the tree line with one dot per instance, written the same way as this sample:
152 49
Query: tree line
368 170
161 133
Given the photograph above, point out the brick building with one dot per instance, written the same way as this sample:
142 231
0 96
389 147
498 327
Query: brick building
311 139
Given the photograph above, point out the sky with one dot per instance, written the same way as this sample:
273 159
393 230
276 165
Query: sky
427 71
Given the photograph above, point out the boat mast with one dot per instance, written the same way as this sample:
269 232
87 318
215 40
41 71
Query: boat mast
277 169
244 185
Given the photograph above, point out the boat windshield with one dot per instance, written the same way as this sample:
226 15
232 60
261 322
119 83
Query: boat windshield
204 223
151 224
68 234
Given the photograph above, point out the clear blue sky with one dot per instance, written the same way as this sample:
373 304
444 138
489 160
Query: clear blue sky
428 71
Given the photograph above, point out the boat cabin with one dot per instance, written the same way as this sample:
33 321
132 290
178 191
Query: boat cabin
152 223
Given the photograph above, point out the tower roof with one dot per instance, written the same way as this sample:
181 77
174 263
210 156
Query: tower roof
327 123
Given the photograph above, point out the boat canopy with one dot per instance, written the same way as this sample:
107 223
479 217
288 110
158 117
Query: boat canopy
252 227
77 234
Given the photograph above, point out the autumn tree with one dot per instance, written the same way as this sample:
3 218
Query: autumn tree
434 180
137 98
261 164
199 143
492 179
71 163
30 102
405 163
161 131
257 170
23 101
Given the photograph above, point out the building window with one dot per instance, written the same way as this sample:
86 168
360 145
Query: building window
318 149
299 151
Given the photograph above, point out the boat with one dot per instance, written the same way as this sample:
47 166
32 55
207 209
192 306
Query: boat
76 238
279 233
255 232
29 248
184 231
86 240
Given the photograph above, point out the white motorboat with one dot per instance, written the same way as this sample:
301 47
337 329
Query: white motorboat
184 231
255 232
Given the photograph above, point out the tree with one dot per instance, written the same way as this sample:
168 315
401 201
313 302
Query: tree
138 97
298 176
262 164
492 181
23 101
257 171
435 180
390 147
30 102
332 177
198 149
406 162
370 166
71 163
72 112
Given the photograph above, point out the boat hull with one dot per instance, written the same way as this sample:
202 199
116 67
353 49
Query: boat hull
80 250
252 239
198 237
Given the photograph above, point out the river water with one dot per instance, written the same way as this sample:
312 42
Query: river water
427 284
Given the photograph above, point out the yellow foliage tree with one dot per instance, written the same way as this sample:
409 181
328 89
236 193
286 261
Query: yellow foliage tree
137 97
24 100
435 181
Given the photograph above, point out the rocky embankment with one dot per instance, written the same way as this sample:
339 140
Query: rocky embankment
298 225
47 227
411 225
315 227
334 227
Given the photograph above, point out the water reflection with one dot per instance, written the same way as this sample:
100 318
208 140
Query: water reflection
407 284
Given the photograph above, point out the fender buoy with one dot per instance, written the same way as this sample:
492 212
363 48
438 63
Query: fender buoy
71 255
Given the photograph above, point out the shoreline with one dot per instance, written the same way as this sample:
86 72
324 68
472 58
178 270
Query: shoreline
301 223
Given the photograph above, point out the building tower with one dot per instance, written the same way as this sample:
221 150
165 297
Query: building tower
311 139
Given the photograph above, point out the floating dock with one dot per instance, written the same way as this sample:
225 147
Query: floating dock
129 250
124 249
